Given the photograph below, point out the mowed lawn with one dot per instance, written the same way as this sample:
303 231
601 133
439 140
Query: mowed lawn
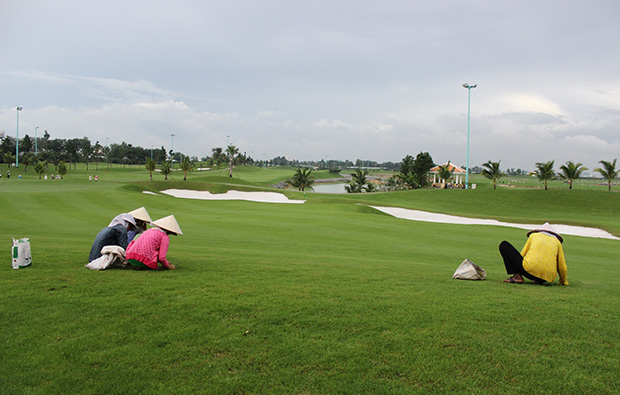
325 297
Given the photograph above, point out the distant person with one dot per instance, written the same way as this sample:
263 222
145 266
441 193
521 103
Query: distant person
151 248
8 174
115 234
541 259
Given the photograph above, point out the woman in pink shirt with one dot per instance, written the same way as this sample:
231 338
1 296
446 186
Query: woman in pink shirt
151 247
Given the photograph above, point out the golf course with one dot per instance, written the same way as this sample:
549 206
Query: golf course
326 297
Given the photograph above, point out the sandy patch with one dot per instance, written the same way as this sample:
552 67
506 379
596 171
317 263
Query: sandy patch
261 197
416 215
151 193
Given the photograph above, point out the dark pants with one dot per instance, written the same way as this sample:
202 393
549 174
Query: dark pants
513 261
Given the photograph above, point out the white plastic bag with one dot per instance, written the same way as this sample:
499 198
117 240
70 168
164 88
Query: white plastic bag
468 270
20 253
111 256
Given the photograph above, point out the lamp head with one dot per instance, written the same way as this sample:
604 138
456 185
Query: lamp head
19 108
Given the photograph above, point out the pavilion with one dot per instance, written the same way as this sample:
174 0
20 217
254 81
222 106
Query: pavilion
458 173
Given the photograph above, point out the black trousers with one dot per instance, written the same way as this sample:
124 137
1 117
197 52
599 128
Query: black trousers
513 261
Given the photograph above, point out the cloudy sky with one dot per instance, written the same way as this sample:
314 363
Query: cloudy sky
311 80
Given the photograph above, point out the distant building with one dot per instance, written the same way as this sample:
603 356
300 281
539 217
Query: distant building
457 172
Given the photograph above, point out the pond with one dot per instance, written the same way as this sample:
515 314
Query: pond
329 188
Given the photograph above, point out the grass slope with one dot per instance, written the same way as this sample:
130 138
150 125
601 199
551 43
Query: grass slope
325 297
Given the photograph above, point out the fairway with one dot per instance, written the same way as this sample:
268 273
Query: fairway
329 296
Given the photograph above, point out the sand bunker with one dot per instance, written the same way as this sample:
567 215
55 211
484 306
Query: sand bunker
416 215
262 197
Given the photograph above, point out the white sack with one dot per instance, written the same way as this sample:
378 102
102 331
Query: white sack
110 255
468 270
20 253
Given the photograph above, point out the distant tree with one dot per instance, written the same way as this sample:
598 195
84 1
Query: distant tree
26 144
97 152
150 166
186 165
359 182
231 151
86 150
406 175
302 179
27 159
166 168
608 171
445 173
9 159
492 172
422 164
544 171
40 168
570 172
62 169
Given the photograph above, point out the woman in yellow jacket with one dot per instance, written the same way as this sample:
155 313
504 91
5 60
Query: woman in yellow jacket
541 259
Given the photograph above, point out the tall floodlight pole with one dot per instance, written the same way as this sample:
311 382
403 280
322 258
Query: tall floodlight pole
469 88
17 138
36 151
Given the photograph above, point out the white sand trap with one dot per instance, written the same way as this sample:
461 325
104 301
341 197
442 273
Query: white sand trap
151 193
262 197
416 215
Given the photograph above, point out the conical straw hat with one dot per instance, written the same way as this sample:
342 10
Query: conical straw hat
547 228
170 224
141 214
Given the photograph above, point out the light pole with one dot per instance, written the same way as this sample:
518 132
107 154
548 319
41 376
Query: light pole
469 88
106 153
36 151
17 138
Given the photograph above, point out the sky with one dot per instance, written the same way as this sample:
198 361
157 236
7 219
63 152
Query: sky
314 80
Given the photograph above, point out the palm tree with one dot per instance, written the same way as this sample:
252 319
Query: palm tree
9 159
608 171
40 167
166 169
150 166
302 179
62 169
186 166
571 171
492 172
445 173
359 183
231 151
544 171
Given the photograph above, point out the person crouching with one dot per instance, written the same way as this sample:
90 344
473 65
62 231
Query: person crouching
114 234
151 248
541 259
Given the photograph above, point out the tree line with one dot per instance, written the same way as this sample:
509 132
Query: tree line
569 172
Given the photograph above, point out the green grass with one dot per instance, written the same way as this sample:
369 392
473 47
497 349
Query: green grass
326 297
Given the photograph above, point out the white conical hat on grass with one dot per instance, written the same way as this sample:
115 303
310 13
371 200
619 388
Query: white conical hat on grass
141 214
170 224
